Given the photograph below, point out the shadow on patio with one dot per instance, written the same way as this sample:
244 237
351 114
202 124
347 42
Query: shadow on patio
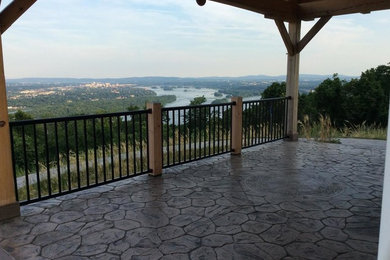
285 200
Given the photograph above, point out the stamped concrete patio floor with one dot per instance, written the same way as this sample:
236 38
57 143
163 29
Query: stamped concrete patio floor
283 200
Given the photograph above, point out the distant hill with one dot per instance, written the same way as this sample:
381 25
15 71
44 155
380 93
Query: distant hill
166 80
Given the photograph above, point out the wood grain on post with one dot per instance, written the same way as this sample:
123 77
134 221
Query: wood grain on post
292 83
8 205
155 139
236 125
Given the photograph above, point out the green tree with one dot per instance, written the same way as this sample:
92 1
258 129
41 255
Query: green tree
198 101
306 106
330 99
368 97
364 99
276 89
197 118
132 108
20 115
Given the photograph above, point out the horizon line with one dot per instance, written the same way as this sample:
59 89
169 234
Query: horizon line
180 77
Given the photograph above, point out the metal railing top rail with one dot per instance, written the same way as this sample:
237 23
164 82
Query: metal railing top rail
198 106
72 118
266 99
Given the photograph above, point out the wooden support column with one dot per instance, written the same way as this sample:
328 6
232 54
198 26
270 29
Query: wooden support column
9 207
155 139
292 81
294 45
237 125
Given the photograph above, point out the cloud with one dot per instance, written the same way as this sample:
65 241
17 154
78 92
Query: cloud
177 37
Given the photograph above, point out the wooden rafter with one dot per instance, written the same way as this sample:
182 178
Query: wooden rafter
311 10
279 9
12 12
285 36
294 10
313 32
292 48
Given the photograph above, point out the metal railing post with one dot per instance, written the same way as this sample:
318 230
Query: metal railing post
155 138
236 125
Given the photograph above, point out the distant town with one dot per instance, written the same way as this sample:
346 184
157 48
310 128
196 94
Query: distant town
55 97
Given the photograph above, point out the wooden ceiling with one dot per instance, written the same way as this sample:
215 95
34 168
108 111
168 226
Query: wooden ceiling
294 10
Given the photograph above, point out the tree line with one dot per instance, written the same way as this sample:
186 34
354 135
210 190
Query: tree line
365 99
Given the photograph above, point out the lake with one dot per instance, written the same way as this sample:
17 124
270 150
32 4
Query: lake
184 95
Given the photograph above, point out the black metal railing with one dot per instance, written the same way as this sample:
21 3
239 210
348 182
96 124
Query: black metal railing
264 121
56 156
191 133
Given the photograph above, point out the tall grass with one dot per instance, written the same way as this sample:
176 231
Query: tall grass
97 172
364 131
324 130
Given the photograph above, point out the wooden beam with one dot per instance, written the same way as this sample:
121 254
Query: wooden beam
270 9
313 32
308 1
12 12
315 9
285 36
298 10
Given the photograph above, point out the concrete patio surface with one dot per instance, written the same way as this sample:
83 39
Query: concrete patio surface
283 200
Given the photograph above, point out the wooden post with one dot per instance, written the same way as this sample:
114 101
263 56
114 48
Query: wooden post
237 125
155 139
8 206
294 29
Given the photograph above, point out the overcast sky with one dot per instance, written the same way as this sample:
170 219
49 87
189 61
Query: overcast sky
121 38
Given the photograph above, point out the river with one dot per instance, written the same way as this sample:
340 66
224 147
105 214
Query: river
184 95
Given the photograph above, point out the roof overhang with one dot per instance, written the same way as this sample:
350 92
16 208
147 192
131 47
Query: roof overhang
294 10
